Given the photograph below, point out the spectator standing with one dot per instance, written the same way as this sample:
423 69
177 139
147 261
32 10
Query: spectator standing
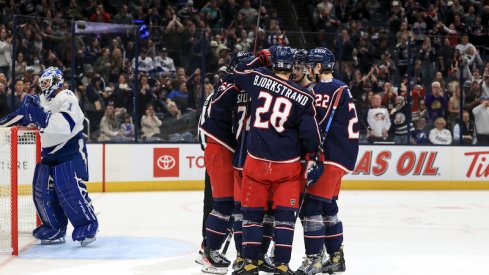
100 15
427 54
481 114
163 63
485 85
472 98
439 135
400 122
436 102
123 17
454 104
103 64
5 52
379 121
145 62
389 98
466 129
248 13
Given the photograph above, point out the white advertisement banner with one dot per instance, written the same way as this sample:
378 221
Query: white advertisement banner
185 162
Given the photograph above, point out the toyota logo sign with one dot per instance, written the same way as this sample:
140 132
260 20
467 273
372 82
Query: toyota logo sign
166 162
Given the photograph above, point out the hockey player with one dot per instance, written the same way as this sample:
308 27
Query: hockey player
300 70
241 119
321 224
218 155
208 203
59 187
281 112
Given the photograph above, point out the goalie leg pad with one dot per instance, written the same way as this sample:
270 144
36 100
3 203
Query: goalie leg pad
313 224
52 216
73 197
334 228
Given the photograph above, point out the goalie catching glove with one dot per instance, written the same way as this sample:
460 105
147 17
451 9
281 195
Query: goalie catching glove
315 167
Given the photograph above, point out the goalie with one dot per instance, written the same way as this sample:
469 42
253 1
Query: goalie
59 190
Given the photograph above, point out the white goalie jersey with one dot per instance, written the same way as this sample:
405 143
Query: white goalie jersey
63 132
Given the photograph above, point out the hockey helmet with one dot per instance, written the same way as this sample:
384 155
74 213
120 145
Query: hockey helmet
300 56
239 57
322 56
51 80
283 58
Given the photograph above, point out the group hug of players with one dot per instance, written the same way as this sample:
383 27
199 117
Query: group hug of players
269 161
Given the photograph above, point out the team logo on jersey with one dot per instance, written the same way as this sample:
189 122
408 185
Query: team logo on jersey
292 202
166 162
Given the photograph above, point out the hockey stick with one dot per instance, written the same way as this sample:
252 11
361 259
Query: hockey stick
257 27
229 237
322 142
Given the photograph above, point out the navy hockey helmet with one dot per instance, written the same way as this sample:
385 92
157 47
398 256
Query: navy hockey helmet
322 56
239 57
283 58
300 56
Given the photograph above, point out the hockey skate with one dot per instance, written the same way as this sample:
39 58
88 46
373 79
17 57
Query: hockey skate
88 241
199 258
335 263
311 265
214 262
283 269
238 262
265 264
247 267
61 240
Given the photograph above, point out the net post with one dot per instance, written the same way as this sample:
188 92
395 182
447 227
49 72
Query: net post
38 160
14 190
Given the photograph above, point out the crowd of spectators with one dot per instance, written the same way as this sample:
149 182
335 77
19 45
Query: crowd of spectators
432 48
428 47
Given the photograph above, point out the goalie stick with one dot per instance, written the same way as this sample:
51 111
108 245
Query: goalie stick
323 141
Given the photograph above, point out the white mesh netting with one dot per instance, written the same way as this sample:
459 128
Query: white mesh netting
26 162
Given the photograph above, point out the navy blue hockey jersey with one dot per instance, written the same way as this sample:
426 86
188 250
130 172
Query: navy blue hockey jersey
282 113
341 147
219 124
241 126
241 118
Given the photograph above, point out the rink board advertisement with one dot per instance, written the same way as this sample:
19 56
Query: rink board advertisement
140 167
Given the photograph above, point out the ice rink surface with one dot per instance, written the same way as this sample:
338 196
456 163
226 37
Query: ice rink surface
386 233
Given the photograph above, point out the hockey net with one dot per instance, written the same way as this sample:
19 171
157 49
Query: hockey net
21 146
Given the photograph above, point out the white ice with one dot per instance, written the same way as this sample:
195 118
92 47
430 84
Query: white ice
386 233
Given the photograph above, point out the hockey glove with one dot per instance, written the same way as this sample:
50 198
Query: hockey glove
35 114
315 167
265 56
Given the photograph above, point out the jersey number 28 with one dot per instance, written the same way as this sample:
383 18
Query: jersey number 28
279 114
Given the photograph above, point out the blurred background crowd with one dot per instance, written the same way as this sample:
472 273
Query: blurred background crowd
418 70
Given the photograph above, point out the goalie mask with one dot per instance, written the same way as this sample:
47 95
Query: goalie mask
51 80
